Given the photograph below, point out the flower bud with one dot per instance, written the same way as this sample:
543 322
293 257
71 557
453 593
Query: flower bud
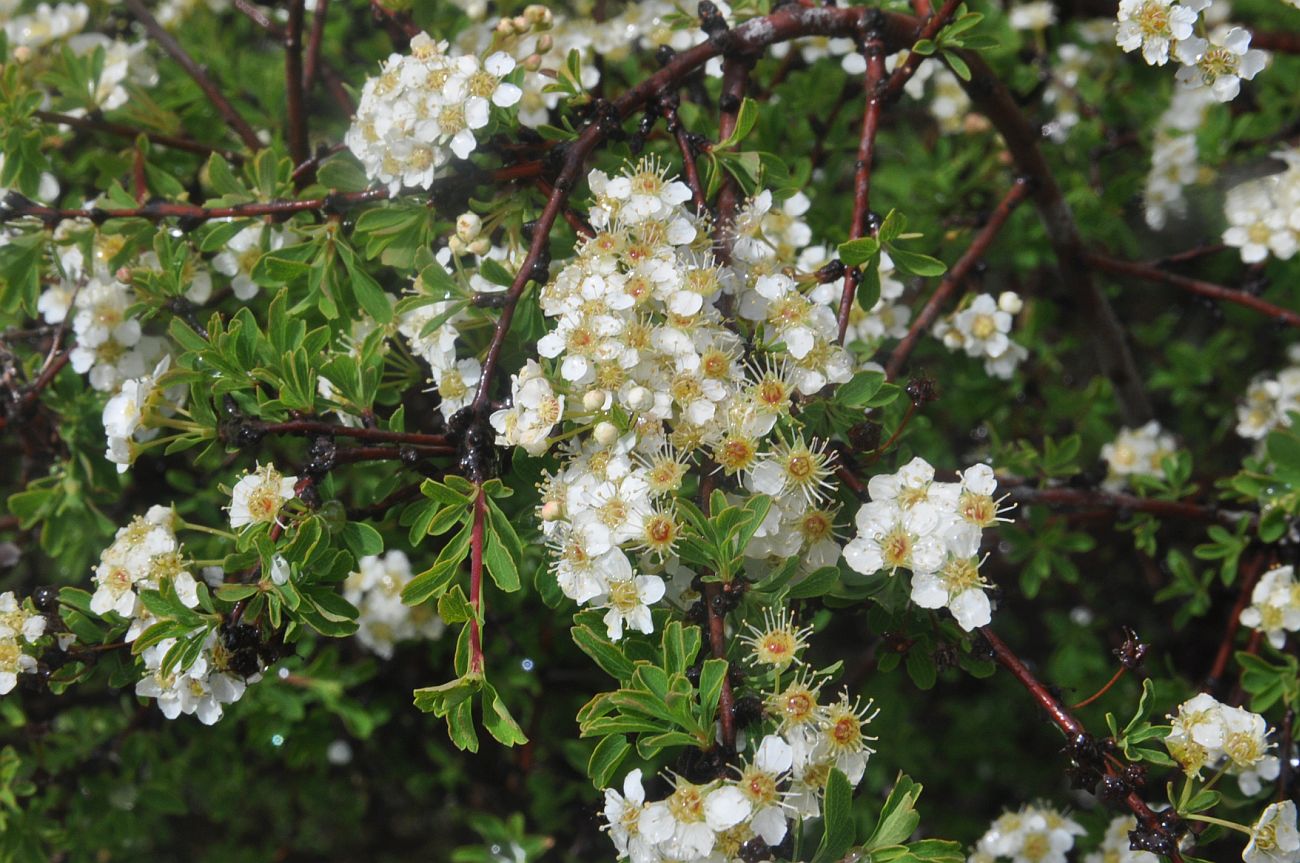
481 246
594 400
468 226
606 433
532 62
551 510
457 245
639 398
505 27
1010 302
539 15
123 275
520 23
22 54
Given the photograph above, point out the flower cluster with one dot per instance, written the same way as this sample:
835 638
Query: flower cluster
110 346
1270 400
933 529
126 414
1115 845
1174 156
1034 834
1263 215
1274 605
145 555
782 780
1164 28
384 620
1208 734
981 329
1136 452
640 357
424 107
19 627
431 322
202 689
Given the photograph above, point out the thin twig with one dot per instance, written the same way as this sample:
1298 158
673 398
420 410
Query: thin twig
904 71
1195 286
293 83
1072 728
874 49
312 65
955 276
318 427
122 130
197 73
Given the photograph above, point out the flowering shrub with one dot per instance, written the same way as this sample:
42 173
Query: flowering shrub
650 431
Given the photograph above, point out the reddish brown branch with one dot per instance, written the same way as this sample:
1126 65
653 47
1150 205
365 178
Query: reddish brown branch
318 427
1249 576
1100 692
1083 498
735 78
874 48
1195 286
312 64
1072 728
293 84
476 581
122 130
690 170
954 278
173 48
1282 42
718 647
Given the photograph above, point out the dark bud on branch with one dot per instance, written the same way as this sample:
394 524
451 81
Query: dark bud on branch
922 389
1131 653
864 436
45 598
831 272
711 20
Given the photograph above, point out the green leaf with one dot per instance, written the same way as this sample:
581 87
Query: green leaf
857 392
605 759
839 830
915 263
604 652
453 607
898 817
362 539
855 253
498 721
500 565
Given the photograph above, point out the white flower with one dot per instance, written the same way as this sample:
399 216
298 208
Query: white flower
634 827
12 663
1275 605
1219 65
16 621
1274 838
1151 25
760 782
629 600
258 496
